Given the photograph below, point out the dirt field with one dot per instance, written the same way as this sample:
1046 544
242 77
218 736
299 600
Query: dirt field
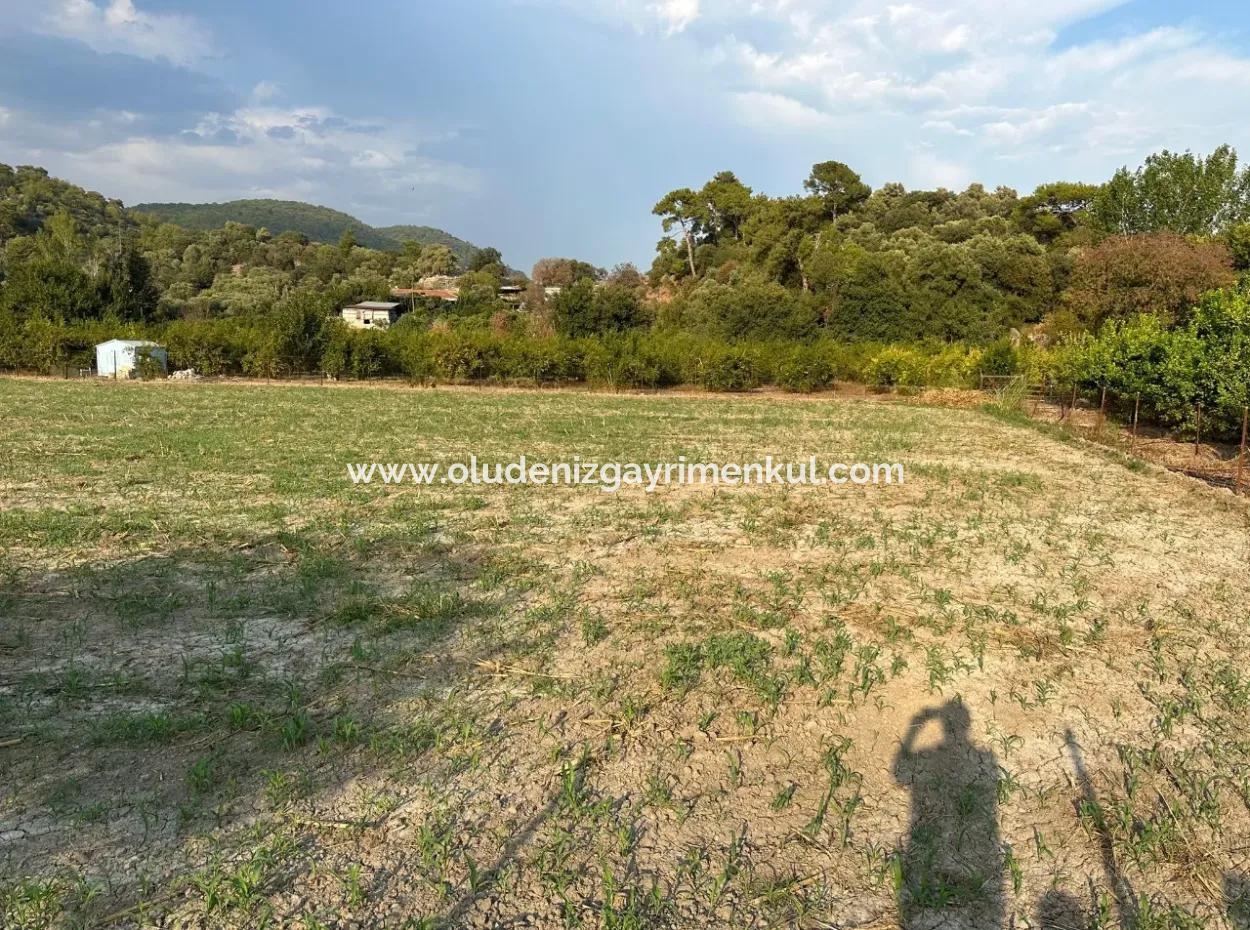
237 690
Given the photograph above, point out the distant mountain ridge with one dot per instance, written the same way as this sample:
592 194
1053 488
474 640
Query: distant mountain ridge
321 224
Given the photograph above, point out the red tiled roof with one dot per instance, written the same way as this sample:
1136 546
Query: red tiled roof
442 293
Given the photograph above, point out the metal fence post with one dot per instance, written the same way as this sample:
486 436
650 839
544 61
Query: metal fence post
1198 432
1102 409
1136 413
1241 459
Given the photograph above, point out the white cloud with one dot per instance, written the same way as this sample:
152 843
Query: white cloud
970 81
676 14
266 90
771 112
306 153
1104 56
114 26
931 170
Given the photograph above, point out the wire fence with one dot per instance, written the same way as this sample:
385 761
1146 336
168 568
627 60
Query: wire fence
1115 419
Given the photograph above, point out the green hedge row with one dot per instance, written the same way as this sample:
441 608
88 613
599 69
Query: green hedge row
1204 362
300 344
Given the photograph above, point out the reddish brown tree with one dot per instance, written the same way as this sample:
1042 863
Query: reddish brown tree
1161 273
562 272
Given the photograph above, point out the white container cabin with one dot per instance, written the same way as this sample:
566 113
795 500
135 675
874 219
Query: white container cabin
118 358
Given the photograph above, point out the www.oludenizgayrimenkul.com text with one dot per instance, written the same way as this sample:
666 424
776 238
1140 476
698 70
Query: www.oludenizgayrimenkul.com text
612 476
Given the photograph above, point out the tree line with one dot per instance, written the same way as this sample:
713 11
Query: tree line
839 281
893 264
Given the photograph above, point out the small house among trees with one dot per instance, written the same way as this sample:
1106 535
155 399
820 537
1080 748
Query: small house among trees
371 314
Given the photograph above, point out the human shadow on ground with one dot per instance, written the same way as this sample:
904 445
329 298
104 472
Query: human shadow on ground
1237 899
951 865
1121 887
1059 910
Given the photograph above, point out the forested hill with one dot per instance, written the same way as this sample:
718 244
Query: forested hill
29 196
427 235
320 224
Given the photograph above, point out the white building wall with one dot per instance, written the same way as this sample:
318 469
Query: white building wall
117 359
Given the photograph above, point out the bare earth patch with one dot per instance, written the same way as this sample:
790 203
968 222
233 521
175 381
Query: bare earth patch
237 690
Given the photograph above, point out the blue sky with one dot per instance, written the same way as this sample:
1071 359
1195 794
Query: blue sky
550 127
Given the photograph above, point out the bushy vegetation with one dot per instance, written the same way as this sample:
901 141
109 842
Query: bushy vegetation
68 254
899 265
298 339
1204 362
1130 285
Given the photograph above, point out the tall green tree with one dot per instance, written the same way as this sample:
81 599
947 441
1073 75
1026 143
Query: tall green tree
728 203
1055 209
436 260
781 235
479 289
839 188
584 310
684 209
49 288
1180 193
125 285
484 258
948 296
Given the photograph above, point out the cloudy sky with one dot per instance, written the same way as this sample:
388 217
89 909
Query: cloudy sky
550 127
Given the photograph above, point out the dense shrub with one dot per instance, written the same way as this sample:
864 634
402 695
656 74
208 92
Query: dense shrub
1000 358
211 347
1161 274
460 356
748 309
539 361
50 347
586 310
805 369
721 367
628 361
1205 362
293 336
919 366
954 366
896 366
355 353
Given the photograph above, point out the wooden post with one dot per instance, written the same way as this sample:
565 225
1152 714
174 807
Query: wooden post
1072 406
1198 432
1241 459
1136 412
1102 409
